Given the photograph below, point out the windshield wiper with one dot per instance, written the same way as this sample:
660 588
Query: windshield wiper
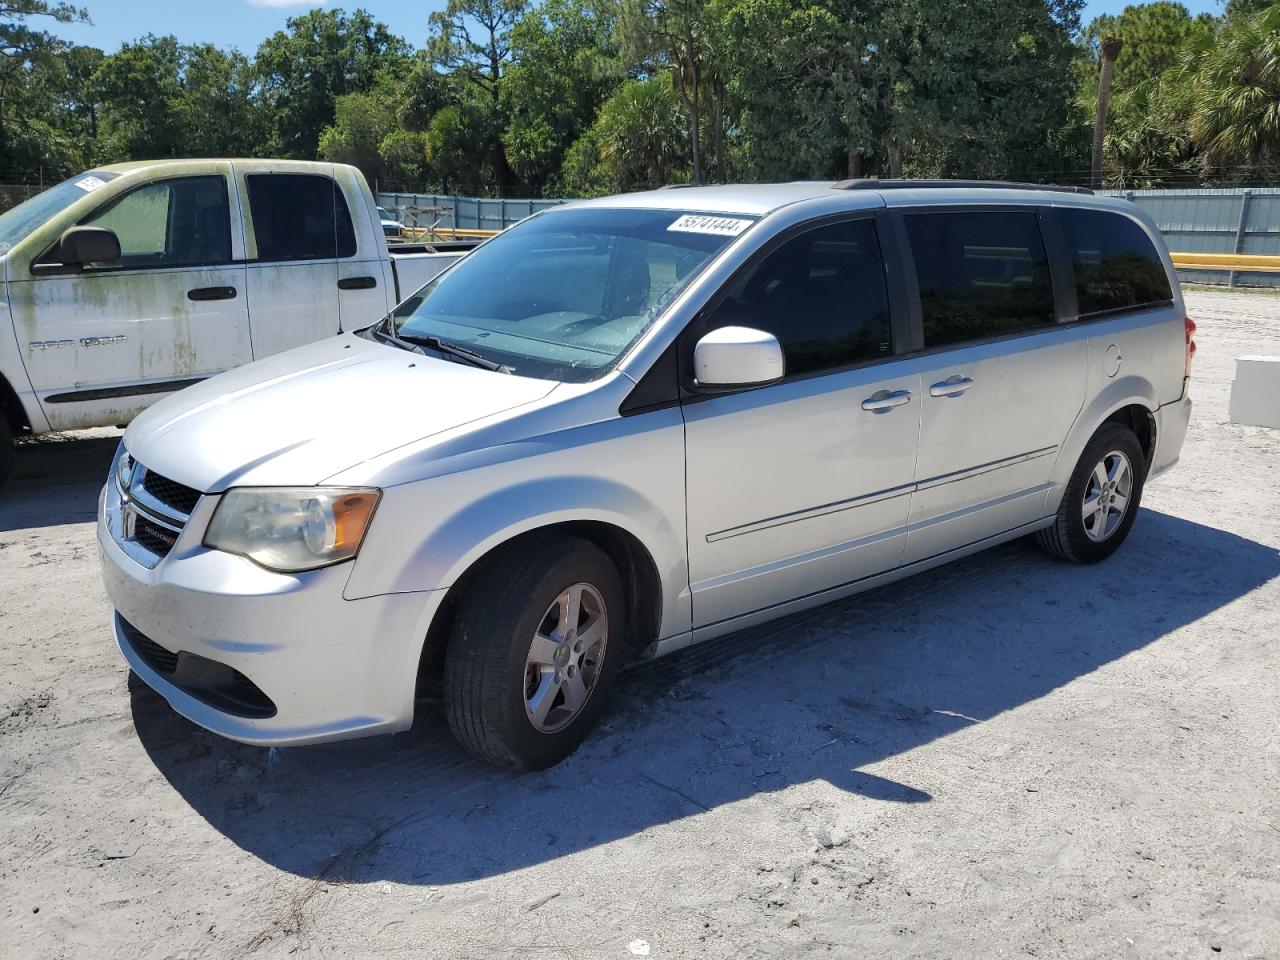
385 332
454 350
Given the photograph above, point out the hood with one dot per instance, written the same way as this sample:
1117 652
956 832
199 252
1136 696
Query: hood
299 417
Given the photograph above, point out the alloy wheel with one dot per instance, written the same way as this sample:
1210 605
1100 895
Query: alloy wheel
1106 496
565 658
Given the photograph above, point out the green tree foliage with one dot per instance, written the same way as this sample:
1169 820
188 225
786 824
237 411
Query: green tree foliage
321 56
564 66
28 85
1213 115
639 138
835 87
472 39
1154 37
567 97
1236 112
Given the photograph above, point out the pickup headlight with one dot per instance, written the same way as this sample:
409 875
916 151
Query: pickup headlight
290 530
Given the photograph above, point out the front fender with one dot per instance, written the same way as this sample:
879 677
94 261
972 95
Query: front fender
428 533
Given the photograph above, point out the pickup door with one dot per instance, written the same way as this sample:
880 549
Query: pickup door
314 268
105 342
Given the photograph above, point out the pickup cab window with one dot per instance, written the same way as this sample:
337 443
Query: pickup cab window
299 217
563 295
183 222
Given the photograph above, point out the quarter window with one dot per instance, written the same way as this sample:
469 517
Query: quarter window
299 217
822 294
1116 265
172 223
981 274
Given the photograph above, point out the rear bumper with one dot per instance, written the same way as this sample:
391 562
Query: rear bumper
328 668
1171 430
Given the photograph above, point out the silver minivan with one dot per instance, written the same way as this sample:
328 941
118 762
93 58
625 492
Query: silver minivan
629 425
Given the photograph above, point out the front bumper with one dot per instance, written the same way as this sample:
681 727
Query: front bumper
332 668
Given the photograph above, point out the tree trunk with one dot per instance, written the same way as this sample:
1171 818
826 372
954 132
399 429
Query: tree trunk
695 116
894 150
855 164
1110 50
722 162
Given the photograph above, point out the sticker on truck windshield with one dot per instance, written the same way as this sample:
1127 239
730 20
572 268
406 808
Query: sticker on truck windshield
89 184
702 223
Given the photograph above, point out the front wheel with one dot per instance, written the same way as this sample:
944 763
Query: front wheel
1102 498
536 642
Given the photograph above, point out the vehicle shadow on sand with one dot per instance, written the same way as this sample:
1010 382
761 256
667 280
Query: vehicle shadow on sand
814 697
56 479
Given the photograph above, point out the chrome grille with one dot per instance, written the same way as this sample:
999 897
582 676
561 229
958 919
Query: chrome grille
154 510
171 493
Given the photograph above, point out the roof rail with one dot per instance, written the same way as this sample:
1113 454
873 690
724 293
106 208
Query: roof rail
678 186
870 183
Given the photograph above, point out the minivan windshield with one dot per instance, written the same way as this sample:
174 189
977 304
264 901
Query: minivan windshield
30 214
563 295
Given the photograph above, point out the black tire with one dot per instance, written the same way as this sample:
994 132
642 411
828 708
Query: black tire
6 450
506 602
1068 539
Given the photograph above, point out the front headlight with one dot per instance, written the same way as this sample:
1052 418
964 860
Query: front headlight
290 530
122 468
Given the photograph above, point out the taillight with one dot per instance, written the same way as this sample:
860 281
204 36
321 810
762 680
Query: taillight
1191 344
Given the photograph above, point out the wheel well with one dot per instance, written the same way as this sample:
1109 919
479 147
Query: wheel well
11 409
636 567
1143 424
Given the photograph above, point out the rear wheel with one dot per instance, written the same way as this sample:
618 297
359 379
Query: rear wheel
535 645
1102 498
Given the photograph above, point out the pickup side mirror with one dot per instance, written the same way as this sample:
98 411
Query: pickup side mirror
735 357
81 245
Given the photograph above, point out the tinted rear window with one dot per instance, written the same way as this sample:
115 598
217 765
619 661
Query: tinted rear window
299 217
981 274
1116 264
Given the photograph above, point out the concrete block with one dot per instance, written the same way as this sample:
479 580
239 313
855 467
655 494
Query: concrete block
1255 392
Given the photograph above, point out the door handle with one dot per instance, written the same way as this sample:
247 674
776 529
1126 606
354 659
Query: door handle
950 387
357 283
883 400
212 293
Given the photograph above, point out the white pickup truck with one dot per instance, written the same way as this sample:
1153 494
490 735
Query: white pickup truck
131 281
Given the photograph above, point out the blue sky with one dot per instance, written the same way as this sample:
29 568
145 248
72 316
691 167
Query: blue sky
244 23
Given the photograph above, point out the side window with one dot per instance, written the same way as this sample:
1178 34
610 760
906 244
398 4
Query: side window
299 217
980 274
173 223
1116 265
822 294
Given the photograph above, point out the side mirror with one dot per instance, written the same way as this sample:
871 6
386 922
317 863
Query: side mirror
735 357
81 245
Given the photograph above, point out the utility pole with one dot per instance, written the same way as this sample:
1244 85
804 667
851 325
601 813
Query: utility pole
1110 50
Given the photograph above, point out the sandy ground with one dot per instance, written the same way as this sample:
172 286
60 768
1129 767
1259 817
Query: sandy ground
1006 757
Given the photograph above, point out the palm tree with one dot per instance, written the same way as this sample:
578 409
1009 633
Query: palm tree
1236 112
1111 47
